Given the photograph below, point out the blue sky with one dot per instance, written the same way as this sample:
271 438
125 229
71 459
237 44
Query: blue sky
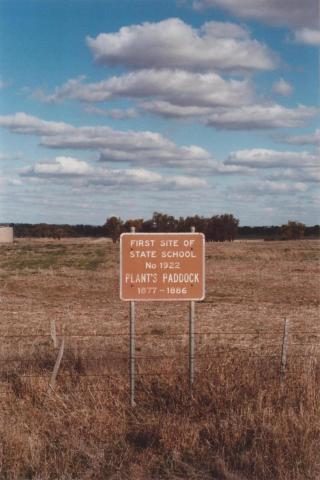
133 106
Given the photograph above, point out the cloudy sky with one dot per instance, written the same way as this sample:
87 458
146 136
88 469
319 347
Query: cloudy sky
125 107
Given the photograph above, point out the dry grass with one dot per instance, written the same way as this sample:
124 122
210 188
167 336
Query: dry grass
239 422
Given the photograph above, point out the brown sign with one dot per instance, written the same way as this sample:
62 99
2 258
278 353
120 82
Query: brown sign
162 266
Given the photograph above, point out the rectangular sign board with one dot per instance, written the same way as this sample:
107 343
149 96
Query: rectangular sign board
162 266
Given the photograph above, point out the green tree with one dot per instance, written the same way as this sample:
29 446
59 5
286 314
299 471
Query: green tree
164 223
113 227
221 228
292 230
136 222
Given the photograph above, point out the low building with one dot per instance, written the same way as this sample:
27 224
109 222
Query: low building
6 234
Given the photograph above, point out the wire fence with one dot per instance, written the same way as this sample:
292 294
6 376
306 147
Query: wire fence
88 361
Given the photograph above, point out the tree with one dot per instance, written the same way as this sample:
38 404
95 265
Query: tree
136 223
229 225
200 223
292 230
113 227
221 228
164 223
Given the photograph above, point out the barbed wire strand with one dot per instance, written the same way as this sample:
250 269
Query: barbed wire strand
126 334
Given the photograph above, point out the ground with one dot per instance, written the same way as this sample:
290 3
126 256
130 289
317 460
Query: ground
239 421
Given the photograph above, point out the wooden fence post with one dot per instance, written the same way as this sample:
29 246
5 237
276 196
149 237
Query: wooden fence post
283 364
53 333
56 368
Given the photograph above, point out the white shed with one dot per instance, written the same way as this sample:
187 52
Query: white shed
6 234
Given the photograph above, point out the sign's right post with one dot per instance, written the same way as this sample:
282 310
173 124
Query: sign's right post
191 335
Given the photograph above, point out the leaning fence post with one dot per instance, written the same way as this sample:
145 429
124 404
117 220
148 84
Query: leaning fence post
284 349
56 367
53 333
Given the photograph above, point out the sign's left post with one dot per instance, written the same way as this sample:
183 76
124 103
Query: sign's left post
132 348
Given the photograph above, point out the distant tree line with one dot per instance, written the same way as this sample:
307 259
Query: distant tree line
42 230
218 228
289 231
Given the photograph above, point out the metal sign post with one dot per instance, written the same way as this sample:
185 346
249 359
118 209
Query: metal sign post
132 348
132 355
191 342
191 335
284 350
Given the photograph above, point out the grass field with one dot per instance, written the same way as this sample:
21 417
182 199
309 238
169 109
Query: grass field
239 421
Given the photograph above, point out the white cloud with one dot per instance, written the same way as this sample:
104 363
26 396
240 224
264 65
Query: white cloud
15 182
115 146
5 156
114 113
182 181
172 43
308 36
176 87
315 200
87 138
244 117
142 148
191 159
308 139
227 104
264 158
172 156
270 187
79 173
169 110
261 116
63 135
275 12
281 87
27 124
306 175
66 166
138 148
